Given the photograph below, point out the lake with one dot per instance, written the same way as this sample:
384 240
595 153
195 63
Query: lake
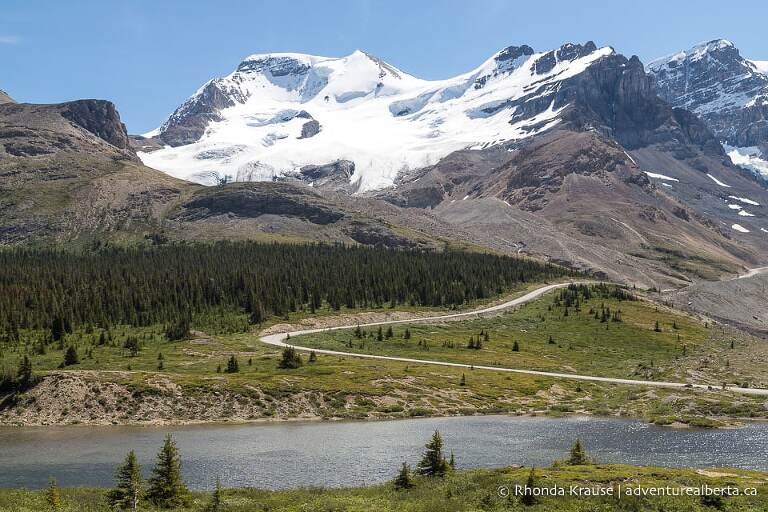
333 454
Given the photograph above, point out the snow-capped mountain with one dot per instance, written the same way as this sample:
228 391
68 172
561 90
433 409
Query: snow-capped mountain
277 113
729 92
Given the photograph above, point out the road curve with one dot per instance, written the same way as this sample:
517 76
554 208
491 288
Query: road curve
279 339
753 272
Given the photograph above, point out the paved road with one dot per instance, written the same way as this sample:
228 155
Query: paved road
754 272
280 338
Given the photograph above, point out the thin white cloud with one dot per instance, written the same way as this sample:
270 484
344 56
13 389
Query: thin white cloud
10 39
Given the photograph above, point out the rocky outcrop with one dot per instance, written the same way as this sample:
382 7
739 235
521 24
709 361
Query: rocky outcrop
310 129
335 176
99 117
251 200
715 82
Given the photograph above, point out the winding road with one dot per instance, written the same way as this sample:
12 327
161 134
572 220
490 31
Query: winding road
279 340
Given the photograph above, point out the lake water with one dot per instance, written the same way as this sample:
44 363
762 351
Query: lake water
285 455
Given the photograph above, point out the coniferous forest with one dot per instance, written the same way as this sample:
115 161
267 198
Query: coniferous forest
141 286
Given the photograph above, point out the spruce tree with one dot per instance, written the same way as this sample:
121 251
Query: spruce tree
657 327
166 486
70 356
515 347
433 462
217 500
463 381
578 455
24 375
407 334
388 334
404 480
179 330
379 335
257 313
232 365
57 328
52 495
290 359
127 493
312 357
452 461
528 499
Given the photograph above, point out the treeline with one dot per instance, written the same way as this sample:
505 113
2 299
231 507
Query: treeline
145 286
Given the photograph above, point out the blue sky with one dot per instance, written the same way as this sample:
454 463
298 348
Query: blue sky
149 55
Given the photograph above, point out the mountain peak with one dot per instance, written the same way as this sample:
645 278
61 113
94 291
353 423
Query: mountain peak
5 98
715 47
279 112
714 81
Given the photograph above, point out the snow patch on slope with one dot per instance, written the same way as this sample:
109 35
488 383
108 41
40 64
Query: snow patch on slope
718 181
744 200
739 228
660 176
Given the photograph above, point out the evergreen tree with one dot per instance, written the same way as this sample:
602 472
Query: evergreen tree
290 359
57 328
578 455
127 492
166 486
515 347
379 335
312 357
551 340
407 334
70 356
232 365
463 381
389 332
657 327
179 330
528 499
53 495
452 461
132 345
24 375
217 500
485 337
257 313
404 479
433 462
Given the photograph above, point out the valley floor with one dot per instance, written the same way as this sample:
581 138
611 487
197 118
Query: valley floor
187 382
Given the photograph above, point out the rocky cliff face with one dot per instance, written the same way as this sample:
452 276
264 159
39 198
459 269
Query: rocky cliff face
715 82
99 117
188 122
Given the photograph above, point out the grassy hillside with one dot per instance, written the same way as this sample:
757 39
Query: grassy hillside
473 490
